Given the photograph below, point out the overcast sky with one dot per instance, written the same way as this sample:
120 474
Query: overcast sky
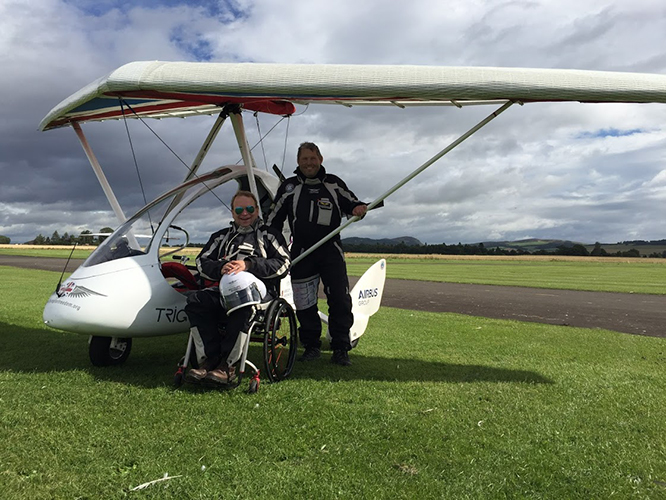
570 171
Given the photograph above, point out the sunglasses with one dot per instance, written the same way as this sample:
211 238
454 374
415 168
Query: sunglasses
239 210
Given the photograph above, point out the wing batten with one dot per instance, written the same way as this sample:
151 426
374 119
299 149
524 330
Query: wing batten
190 88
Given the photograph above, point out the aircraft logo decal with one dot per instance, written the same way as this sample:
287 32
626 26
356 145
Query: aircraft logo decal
71 289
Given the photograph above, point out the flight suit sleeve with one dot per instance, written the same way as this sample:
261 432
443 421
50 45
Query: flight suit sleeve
279 209
346 198
208 263
276 263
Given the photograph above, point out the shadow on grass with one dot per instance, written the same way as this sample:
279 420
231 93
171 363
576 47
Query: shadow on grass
411 370
153 361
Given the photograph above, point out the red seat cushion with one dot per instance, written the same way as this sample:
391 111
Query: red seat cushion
181 273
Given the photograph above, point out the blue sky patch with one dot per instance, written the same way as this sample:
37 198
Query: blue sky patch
609 132
225 10
192 43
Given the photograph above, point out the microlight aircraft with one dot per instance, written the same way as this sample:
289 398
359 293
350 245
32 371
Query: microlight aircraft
122 290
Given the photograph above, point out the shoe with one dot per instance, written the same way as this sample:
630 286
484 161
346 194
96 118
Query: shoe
221 376
195 375
310 354
341 357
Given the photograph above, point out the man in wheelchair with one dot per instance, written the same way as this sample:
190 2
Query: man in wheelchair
235 256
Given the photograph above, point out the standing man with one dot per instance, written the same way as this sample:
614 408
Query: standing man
314 203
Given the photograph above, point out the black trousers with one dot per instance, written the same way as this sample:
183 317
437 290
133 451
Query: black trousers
215 332
327 262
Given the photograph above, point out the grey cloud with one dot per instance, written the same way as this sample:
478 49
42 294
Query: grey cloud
527 173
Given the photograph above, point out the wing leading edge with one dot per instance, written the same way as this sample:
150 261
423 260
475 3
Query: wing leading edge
177 89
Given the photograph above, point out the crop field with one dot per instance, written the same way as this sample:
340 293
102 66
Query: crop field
434 406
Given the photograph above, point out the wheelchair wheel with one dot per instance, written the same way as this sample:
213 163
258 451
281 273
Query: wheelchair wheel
280 341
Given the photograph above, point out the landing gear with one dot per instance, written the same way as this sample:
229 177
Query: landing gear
109 351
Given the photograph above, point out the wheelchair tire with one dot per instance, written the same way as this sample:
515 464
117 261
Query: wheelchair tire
280 340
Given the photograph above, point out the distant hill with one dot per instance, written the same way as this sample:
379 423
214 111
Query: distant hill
653 248
538 246
405 240
531 244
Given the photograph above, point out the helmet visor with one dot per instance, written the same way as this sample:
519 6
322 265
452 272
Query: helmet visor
240 298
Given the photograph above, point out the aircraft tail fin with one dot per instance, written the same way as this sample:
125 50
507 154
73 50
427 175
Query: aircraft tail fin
367 297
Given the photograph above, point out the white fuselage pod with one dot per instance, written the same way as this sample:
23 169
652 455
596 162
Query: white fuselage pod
120 291
127 297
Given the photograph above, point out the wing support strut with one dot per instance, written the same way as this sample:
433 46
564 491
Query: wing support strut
106 187
206 146
203 151
404 181
248 160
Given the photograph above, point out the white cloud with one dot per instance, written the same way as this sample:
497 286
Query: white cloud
570 171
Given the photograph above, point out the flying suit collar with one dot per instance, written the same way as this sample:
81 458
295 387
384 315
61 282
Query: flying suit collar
321 175
246 229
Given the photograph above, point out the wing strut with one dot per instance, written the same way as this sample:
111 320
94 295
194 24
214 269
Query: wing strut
206 146
203 151
248 160
404 181
106 187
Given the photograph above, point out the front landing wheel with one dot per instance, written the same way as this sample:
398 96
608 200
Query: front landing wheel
109 351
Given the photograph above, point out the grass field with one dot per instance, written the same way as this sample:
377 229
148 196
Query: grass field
434 406
621 275
610 274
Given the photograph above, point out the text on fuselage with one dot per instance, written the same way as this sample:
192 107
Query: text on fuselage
171 314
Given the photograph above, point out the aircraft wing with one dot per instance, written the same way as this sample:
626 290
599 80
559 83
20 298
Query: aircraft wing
177 89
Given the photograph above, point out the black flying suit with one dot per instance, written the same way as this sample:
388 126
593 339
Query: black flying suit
266 256
262 248
314 207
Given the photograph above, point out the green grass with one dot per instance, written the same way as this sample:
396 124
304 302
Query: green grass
626 277
61 253
434 406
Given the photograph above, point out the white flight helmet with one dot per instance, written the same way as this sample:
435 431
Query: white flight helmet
240 290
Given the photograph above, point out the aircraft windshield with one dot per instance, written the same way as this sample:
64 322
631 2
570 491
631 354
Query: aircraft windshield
204 208
128 240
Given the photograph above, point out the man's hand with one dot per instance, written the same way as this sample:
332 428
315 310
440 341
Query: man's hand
360 210
234 267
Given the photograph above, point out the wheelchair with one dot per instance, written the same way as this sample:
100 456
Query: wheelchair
273 324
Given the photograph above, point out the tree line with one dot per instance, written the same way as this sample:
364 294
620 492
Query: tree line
480 249
401 248
69 239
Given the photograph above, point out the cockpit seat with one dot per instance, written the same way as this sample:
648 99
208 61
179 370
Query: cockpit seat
181 273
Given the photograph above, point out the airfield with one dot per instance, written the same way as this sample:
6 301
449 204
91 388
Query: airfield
637 314
434 405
